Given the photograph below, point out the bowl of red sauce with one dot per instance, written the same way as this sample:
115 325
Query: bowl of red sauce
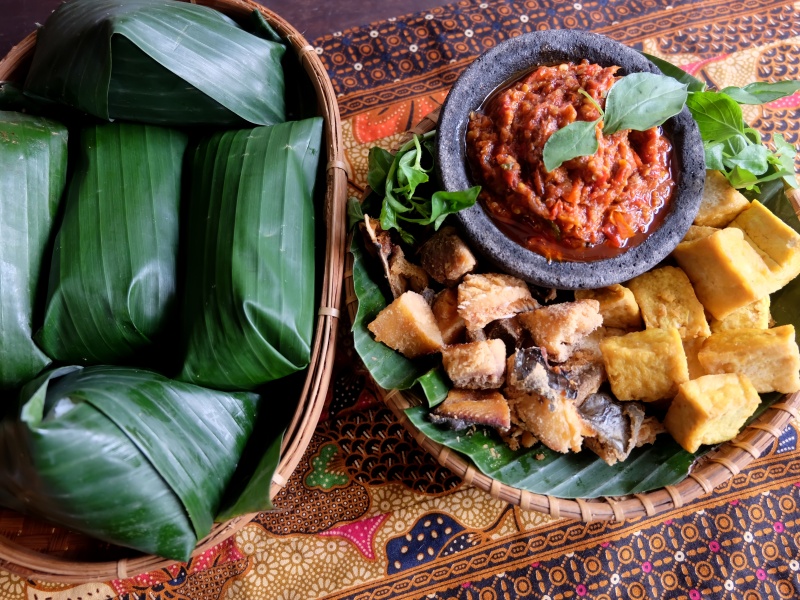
594 220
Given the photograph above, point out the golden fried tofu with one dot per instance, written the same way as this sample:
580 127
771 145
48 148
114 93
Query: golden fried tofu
445 311
490 296
555 422
476 365
776 242
464 408
691 347
697 232
645 365
446 257
667 299
721 202
408 326
769 357
725 271
617 306
753 316
560 328
710 409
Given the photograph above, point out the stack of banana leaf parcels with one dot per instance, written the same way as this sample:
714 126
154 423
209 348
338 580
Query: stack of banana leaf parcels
156 268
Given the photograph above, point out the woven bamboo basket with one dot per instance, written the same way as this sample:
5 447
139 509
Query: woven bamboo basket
724 462
33 548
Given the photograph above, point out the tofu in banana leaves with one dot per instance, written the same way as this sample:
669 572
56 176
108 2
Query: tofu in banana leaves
33 169
249 300
113 274
157 61
125 455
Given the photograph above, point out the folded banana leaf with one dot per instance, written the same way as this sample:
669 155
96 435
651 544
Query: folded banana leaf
113 274
33 169
124 455
249 299
157 61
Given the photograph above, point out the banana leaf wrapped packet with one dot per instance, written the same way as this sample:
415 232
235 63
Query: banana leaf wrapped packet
157 61
113 277
125 455
249 305
33 168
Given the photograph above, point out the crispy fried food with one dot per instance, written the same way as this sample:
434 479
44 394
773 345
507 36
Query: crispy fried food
408 326
560 328
645 365
613 426
697 232
464 408
445 311
555 422
491 296
446 257
667 299
769 357
476 365
618 306
529 372
721 202
752 316
710 409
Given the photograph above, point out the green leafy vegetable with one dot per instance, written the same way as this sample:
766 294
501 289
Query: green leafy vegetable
761 92
717 115
33 169
397 178
249 301
114 270
157 61
637 101
166 450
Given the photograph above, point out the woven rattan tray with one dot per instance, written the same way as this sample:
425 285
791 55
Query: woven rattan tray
32 548
717 467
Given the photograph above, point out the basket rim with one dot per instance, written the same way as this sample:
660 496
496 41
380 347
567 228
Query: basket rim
721 464
25 562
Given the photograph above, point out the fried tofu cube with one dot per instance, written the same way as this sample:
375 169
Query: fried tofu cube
697 232
721 202
464 408
445 311
408 326
753 316
645 365
490 296
725 271
710 409
556 422
667 299
691 348
618 306
776 242
560 328
446 257
476 365
769 357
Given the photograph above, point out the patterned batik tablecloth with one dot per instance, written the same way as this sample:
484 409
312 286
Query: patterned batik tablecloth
368 514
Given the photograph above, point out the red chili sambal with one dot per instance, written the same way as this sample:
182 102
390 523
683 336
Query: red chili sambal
591 207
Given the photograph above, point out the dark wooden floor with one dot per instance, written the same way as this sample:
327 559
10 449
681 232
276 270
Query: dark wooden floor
312 18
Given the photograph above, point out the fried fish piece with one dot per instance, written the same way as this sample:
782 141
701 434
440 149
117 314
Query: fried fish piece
487 297
465 408
475 365
446 257
560 328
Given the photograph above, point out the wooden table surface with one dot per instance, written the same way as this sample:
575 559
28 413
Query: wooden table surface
311 17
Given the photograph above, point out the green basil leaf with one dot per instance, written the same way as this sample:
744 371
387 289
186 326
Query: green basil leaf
640 101
409 174
761 92
742 178
785 154
714 156
379 162
447 203
753 158
667 68
718 116
355 214
576 139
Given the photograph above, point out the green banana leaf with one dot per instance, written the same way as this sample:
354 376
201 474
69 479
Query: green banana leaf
33 169
114 267
157 61
539 469
125 455
249 300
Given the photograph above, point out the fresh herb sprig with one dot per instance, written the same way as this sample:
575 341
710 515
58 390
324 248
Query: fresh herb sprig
398 177
637 101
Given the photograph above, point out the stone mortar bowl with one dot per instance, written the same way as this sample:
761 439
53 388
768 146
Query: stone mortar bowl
505 63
